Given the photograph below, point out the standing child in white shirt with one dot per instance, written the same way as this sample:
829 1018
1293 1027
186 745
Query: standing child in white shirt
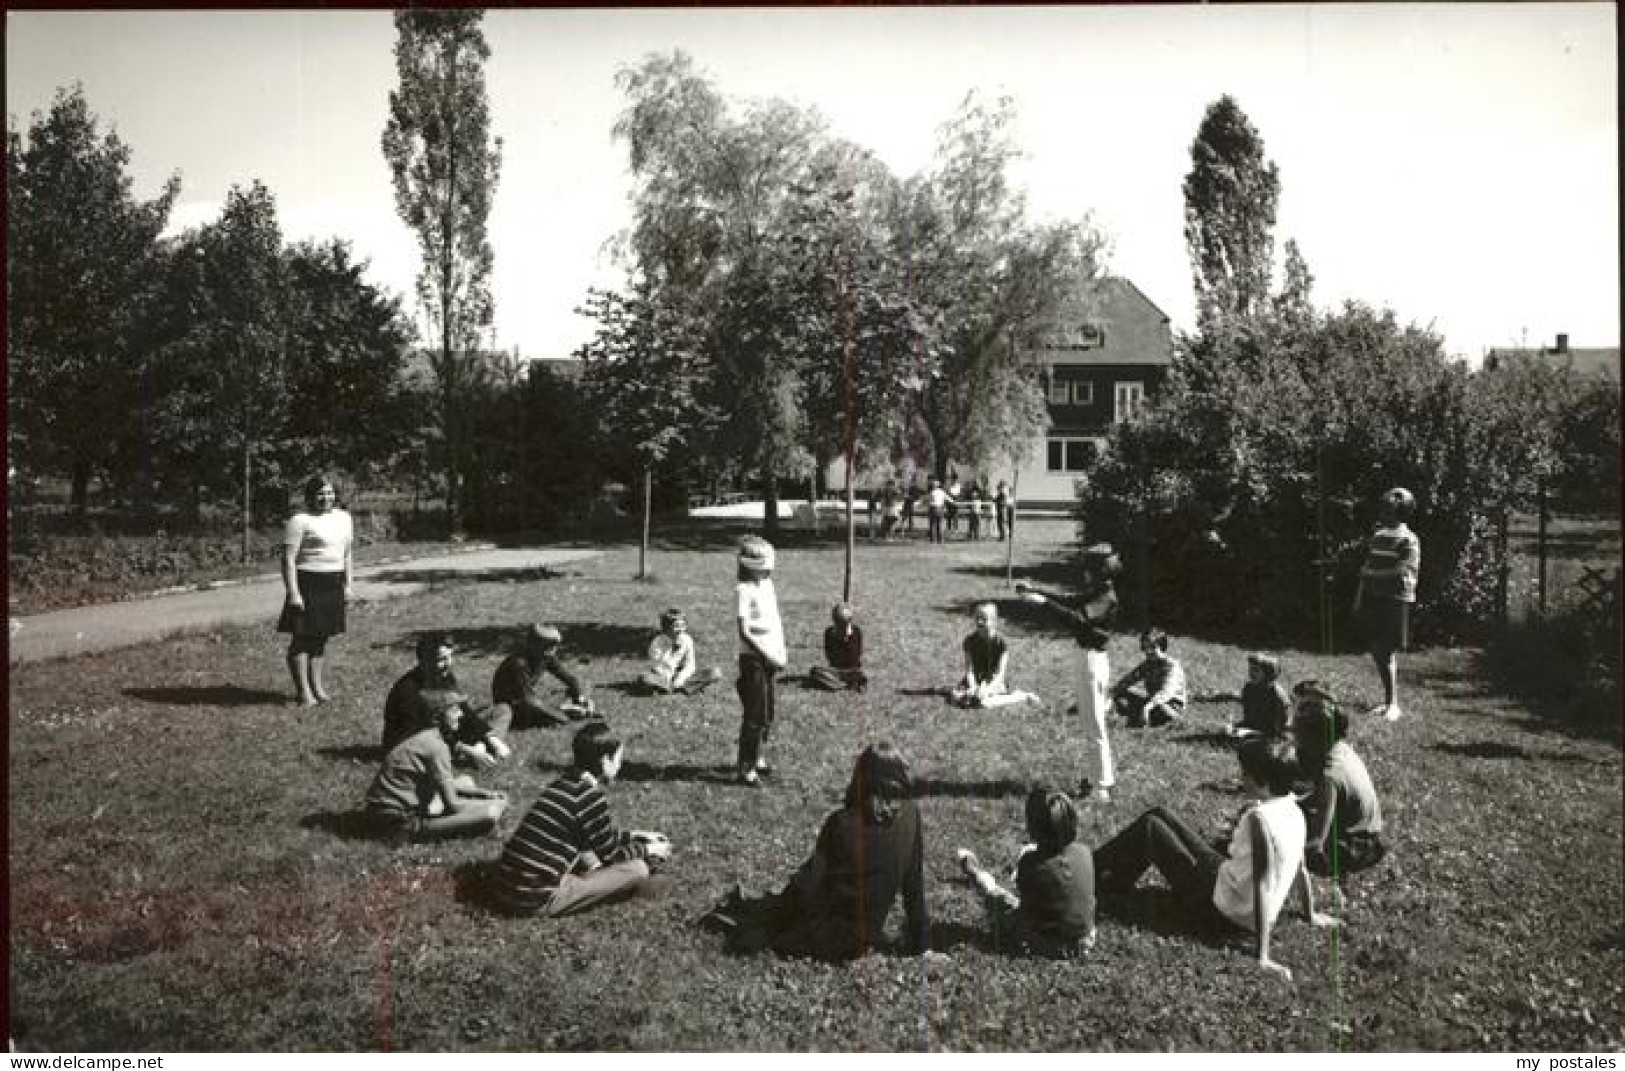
761 655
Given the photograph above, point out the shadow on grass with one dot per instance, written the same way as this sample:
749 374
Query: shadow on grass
1215 740
435 576
1489 749
582 640
982 790
346 825
676 771
210 695
364 753
1156 910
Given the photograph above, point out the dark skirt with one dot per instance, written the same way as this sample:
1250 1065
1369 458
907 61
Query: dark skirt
1385 624
323 614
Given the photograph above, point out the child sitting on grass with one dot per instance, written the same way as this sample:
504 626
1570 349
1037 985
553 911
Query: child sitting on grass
416 796
1265 709
987 657
672 662
1052 911
1244 889
417 697
1154 690
567 856
1343 814
517 681
843 648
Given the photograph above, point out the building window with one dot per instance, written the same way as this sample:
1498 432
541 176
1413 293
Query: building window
1060 390
1129 399
1083 392
1071 455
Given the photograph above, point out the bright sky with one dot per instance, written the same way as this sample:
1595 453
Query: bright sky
1458 163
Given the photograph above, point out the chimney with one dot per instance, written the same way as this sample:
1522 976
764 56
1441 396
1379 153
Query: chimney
1562 344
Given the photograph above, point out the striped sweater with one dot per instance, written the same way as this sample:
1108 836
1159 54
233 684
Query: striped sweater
570 817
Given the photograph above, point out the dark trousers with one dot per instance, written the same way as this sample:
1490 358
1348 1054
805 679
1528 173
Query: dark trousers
837 680
755 687
1159 839
953 517
934 529
1006 518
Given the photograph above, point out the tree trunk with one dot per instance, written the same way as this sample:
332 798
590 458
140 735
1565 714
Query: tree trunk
770 507
643 543
248 497
1009 522
81 487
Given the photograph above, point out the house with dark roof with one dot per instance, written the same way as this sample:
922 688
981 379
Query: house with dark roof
1600 362
1101 364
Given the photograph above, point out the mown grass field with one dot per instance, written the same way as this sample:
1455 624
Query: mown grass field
185 873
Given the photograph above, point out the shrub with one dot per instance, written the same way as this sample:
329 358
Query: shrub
1248 492
1569 660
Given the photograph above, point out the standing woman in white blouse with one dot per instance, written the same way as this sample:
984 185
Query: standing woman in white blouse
316 573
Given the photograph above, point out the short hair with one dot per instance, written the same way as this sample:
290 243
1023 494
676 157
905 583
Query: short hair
593 744
992 609
1401 501
1103 559
1319 722
880 783
1271 763
314 485
431 642
670 617
1158 638
842 610
1268 663
1052 820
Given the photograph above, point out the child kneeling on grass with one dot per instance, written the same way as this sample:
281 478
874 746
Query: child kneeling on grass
1343 814
1154 690
416 795
1052 911
987 657
672 665
567 856
1244 889
843 649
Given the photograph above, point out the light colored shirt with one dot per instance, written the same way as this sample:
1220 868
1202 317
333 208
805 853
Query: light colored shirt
1163 678
1284 833
1392 560
673 658
323 540
758 613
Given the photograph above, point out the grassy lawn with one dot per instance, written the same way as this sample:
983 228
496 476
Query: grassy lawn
184 875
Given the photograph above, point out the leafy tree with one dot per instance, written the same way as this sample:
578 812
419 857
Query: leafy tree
988 284
81 253
711 189
644 376
347 349
439 149
233 352
1230 200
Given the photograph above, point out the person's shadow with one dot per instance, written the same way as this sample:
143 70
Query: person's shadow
209 695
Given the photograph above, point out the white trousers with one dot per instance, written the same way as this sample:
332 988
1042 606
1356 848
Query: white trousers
1094 705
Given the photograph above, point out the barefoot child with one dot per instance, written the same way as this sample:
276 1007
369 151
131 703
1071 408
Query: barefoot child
672 662
843 649
1244 889
1052 911
761 655
1154 690
1090 622
987 657
1386 592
